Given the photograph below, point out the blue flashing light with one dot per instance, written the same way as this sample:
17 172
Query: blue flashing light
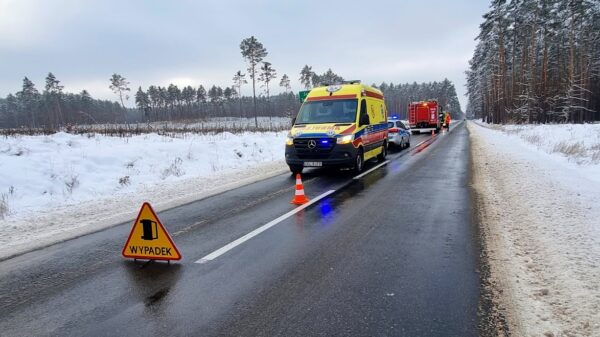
327 213
394 116
324 141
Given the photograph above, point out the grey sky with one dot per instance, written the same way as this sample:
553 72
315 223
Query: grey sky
197 42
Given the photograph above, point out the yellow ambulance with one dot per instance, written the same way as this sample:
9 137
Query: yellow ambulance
340 125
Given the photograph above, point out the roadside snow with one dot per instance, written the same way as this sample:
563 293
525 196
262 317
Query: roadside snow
60 186
539 213
570 143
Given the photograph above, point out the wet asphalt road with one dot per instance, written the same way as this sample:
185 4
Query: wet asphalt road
390 254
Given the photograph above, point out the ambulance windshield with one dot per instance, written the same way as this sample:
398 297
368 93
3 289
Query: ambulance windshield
333 111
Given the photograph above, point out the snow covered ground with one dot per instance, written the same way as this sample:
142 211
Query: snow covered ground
63 185
538 191
574 143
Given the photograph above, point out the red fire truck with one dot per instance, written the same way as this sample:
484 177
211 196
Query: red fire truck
424 116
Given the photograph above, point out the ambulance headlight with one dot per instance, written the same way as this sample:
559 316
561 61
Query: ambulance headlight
345 139
289 140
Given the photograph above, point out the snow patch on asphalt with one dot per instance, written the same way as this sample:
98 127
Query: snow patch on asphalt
539 211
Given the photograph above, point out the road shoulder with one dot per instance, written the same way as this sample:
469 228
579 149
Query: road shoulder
538 240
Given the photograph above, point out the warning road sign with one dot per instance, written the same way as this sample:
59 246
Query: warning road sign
149 238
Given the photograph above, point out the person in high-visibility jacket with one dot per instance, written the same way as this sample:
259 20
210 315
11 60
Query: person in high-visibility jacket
447 120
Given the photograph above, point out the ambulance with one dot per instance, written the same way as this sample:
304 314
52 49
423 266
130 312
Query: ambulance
340 125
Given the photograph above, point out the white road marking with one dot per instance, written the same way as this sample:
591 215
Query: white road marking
259 230
371 170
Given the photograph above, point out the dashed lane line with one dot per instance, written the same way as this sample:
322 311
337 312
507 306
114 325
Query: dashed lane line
259 230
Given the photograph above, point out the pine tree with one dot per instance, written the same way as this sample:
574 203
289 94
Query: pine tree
86 104
228 94
53 95
12 108
306 75
154 98
28 98
253 52
329 77
120 86
285 83
238 80
142 101
188 96
267 74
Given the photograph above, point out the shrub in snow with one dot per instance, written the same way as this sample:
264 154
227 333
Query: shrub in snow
533 139
124 181
570 149
174 169
595 153
19 152
6 149
3 205
71 183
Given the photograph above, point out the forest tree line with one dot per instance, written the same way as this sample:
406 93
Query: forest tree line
31 109
51 108
537 61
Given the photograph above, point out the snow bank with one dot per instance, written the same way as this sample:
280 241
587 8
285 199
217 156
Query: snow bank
539 213
58 186
570 143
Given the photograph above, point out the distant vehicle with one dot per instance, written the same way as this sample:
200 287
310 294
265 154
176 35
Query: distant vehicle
424 116
340 125
398 133
407 124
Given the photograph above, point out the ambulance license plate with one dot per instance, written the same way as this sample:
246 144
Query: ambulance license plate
313 164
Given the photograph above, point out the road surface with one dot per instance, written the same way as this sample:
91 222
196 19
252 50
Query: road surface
390 253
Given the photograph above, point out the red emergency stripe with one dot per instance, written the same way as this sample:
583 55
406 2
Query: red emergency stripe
348 130
324 98
374 94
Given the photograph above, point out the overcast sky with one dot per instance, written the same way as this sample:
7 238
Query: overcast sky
197 42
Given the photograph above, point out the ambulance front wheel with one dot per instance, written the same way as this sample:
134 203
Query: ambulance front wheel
295 169
359 162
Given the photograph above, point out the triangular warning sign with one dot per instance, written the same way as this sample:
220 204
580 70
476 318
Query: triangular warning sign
149 238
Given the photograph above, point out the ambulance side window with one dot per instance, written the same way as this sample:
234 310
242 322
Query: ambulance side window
364 116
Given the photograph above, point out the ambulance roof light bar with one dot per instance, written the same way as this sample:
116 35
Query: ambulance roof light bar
326 84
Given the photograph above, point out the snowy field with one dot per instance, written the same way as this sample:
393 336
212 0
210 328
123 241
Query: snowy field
574 143
64 185
538 191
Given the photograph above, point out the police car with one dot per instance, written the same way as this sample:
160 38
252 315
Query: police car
398 133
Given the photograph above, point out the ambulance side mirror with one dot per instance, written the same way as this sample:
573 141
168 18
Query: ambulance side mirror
293 121
364 120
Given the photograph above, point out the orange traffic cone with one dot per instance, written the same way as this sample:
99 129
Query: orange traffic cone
299 197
